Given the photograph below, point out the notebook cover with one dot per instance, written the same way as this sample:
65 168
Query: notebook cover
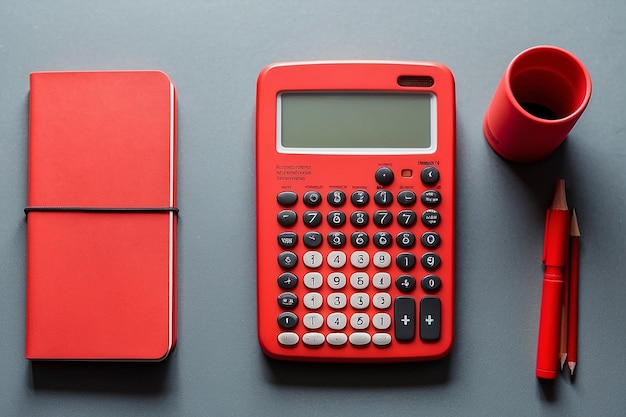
101 285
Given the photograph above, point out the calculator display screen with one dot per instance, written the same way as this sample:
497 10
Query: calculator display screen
356 122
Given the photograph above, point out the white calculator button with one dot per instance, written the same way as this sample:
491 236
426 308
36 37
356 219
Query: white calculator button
288 338
336 321
336 339
312 259
381 280
336 280
313 320
381 300
360 321
360 259
360 300
381 321
359 280
336 300
313 280
381 339
313 300
360 338
382 259
313 339
336 259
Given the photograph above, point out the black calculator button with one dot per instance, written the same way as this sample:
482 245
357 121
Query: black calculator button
287 320
336 198
384 176
430 240
404 318
360 198
406 198
407 218
359 239
287 198
287 239
431 198
312 218
287 260
359 219
405 283
405 261
287 300
430 318
382 239
336 218
430 283
336 239
287 218
312 239
430 261
312 198
431 218
382 218
430 175
405 240
287 280
383 198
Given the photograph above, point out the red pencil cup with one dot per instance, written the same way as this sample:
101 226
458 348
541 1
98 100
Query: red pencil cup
541 95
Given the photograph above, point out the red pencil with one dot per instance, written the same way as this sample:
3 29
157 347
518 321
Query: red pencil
555 258
574 262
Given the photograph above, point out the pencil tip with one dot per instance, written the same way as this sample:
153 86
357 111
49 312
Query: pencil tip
562 358
571 366
560 201
575 230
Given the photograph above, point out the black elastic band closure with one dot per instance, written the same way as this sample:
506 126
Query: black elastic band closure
72 209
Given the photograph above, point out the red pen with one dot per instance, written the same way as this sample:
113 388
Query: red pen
572 333
555 259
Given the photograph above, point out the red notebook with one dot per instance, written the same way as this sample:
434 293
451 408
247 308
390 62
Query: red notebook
101 216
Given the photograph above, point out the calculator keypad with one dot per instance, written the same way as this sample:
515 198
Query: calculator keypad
356 284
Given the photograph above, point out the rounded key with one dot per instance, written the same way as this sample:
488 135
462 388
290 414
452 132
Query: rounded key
360 259
287 320
336 239
313 339
359 219
405 261
312 259
287 239
430 283
287 300
382 259
383 198
336 280
381 321
336 259
287 198
360 321
312 239
336 321
384 176
406 198
359 239
381 280
337 339
405 283
336 300
407 218
430 261
287 260
382 218
381 339
431 218
405 240
313 300
381 300
312 218
430 239
312 198
359 280
431 198
360 300
360 338
382 239
313 321
429 175
336 218
336 198
360 198
287 218
313 280
287 280
288 338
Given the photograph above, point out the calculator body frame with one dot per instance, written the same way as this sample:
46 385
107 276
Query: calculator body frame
278 171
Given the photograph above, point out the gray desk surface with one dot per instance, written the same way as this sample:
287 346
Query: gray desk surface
213 51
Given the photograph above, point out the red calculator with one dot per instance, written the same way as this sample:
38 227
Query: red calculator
355 210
